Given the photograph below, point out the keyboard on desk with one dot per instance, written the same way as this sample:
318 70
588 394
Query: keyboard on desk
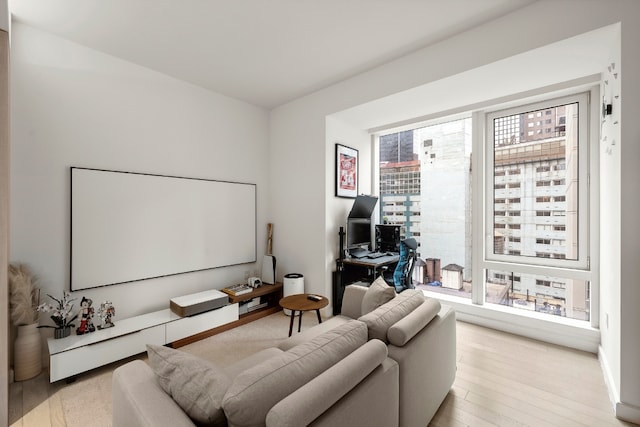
374 255
359 253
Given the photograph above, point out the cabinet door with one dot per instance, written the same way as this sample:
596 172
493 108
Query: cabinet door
187 326
81 359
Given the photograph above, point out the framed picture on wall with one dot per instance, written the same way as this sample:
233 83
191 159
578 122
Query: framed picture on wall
346 171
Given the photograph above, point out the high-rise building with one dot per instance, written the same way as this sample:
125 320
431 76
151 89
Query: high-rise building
400 196
397 147
400 183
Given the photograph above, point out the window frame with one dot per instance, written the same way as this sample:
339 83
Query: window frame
582 335
584 217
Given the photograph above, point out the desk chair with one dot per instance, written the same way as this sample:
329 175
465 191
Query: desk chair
401 279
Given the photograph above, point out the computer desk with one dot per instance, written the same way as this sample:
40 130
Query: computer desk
352 270
373 265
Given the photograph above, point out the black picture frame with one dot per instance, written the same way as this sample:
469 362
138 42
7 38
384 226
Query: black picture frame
346 172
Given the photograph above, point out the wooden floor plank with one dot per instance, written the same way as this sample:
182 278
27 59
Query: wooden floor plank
15 404
469 413
55 405
35 400
570 383
583 412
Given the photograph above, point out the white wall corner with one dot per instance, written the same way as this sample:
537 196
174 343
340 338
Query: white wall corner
622 410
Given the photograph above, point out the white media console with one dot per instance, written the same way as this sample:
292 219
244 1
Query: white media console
79 353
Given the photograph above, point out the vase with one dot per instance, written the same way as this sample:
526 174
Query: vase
62 332
27 353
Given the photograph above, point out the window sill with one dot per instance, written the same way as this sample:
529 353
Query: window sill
571 333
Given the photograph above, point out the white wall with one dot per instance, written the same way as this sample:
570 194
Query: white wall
337 208
610 228
4 15
299 124
74 106
630 210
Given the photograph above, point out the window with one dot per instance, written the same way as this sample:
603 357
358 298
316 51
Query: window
539 155
528 212
436 159
554 169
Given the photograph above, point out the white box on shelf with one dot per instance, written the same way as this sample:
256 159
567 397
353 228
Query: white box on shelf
197 303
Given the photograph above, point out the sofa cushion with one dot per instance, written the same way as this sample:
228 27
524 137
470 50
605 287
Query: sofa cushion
378 293
311 333
254 392
406 328
196 385
352 300
380 320
303 406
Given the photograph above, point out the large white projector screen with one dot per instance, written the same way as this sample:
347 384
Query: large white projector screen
130 226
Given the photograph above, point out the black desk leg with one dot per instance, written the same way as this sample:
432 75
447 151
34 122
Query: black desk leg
319 318
293 315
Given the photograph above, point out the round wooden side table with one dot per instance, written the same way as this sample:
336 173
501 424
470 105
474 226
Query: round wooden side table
302 303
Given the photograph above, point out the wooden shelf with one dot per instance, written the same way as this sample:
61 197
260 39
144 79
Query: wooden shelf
257 292
273 294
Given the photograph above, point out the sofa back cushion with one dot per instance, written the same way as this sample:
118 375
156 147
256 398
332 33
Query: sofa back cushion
196 385
378 293
380 320
406 328
255 391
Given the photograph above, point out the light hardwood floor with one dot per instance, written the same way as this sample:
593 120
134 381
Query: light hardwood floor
507 380
502 380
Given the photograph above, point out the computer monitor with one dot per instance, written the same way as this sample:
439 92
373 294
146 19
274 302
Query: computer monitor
363 206
358 233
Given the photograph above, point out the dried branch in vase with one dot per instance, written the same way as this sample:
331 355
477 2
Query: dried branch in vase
24 295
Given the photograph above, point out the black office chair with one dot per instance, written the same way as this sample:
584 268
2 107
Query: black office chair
401 278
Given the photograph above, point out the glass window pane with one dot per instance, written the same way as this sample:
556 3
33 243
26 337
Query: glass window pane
544 294
425 186
536 184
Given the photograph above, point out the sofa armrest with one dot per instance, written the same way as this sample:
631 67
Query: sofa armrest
314 398
352 301
406 328
138 399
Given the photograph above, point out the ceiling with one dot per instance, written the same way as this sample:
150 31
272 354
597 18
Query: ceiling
264 52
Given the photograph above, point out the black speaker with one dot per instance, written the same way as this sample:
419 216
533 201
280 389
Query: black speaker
387 238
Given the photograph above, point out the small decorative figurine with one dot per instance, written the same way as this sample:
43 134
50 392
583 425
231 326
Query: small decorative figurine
86 317
106 312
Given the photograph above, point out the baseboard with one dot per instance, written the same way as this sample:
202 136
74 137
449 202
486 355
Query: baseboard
608 378
623 411
628 412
